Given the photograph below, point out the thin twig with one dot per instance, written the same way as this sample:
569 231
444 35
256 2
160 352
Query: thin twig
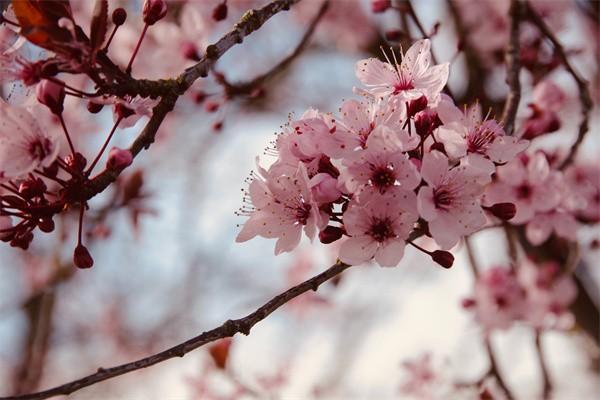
584 93
227 329
513 67
251 21
547 390
243 88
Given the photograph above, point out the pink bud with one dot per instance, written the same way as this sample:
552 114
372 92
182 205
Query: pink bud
379 6
189 51
51 94
324 188
330 234
220 11
468 303
82 257
94 108
119 159
444 258
154 11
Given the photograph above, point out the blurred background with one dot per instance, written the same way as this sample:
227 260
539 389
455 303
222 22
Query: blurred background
167 266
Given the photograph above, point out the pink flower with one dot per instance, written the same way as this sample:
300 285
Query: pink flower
548 96
381 165
499 299
282 206
360 119
550 292
23 145
411 79
422 377
584 181
483 142
450 202
540 228
378 225
528 183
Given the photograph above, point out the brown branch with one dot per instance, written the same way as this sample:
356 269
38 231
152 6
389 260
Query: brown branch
547 390
513 67
171 89
493 370
245 88
227 329
584 94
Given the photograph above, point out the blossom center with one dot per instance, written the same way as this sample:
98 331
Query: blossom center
403 83
39 149
479 140
383 177
303 213
443 198
381 229
524 191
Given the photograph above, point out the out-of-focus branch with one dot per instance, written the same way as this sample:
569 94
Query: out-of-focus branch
493 370
171 89
584 93
543 367
227 329
513 67
245 88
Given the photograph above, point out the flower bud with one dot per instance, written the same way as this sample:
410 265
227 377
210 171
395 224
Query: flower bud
324 188
504 211
444 258
31 188
46 225
119 159
468 303
189 51
219 351
119 16
394 35
154 11
426 122
22 240
379 6
51 94
94 108
416 106
330 234
82 257
220 11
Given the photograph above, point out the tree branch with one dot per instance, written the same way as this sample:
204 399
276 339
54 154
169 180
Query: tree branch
244 88
170 90
584 94
513 67
227 329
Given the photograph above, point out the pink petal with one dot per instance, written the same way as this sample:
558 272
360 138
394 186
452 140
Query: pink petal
357 250
390 254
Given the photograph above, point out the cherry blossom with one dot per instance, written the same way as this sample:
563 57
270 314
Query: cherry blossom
23 145
283 206
528 183
450 201
381 165
412 78
378 225
483 140
584 180
549 294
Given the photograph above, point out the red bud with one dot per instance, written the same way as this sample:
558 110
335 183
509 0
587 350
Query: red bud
154 11
82 257
330 234
504 211
119 16
51 94
220 11
444 258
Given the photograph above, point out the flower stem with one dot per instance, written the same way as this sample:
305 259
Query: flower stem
137 47
64 126
110 135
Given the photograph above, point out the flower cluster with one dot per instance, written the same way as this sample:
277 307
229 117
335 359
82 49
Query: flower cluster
403 162
547 200
539 295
